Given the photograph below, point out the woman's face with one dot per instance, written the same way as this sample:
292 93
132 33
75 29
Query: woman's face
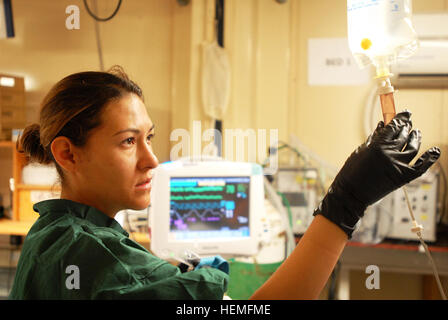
115 166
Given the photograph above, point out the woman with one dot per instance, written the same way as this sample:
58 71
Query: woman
95 128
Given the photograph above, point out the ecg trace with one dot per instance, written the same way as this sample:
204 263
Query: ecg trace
208 207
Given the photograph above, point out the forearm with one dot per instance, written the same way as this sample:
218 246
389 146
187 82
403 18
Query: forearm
306 271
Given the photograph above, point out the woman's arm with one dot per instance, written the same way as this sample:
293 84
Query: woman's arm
374 169
305 272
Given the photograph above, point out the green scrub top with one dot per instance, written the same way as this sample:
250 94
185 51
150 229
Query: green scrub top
74 251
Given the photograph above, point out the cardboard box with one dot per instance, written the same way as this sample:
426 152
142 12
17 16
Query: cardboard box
12 105
10 98
12 117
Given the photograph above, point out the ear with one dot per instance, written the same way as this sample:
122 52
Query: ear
64 153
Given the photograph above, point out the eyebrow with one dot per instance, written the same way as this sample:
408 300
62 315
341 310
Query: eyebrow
136 131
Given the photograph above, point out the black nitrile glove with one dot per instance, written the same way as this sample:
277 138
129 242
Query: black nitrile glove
374 169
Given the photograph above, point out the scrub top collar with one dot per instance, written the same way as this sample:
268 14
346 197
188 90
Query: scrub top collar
89 213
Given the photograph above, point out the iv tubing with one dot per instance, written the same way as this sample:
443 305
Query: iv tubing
417 229
386 93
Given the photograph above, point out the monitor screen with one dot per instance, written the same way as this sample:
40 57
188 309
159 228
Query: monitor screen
209 208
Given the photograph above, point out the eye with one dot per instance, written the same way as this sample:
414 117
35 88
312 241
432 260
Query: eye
129 141
150 137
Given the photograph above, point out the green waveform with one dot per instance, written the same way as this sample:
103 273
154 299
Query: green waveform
198 197
198 189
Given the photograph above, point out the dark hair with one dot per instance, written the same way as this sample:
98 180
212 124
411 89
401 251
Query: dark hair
72 108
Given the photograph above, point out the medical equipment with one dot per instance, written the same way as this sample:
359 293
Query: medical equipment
133 220
426 69
374 227
299 181
422 194
389 217
380 32
297 187
209 207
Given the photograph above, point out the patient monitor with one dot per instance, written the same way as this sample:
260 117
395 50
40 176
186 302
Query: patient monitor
207 207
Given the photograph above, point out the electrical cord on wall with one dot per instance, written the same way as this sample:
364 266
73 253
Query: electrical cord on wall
94 16
97 28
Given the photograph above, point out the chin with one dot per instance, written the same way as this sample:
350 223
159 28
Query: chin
140 205
135 201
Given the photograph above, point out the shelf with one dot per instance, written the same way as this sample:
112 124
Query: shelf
21 228
32 187
13 227
7 144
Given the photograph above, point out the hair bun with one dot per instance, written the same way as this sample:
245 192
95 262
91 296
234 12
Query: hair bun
29 143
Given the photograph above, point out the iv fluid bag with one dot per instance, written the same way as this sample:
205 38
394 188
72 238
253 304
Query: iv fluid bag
380 31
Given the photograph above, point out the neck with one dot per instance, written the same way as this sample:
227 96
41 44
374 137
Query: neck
68 194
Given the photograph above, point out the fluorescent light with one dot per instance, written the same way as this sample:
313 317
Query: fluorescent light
7 82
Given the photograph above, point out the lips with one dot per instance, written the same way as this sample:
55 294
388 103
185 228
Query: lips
144 184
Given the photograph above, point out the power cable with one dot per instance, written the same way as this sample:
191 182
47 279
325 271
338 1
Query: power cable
102 19
98 40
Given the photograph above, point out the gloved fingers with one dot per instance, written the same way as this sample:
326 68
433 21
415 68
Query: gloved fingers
403 136
426 161
375 133
412 147
394 128
216 262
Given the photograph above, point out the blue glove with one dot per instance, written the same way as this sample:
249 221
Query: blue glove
216 262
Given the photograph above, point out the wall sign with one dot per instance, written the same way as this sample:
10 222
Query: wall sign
331 63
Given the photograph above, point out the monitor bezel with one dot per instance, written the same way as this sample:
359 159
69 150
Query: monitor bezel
166 248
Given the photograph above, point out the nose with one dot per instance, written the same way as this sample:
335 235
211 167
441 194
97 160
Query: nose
147 158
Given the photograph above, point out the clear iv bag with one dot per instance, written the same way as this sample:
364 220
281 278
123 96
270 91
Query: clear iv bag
215 80
380 32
